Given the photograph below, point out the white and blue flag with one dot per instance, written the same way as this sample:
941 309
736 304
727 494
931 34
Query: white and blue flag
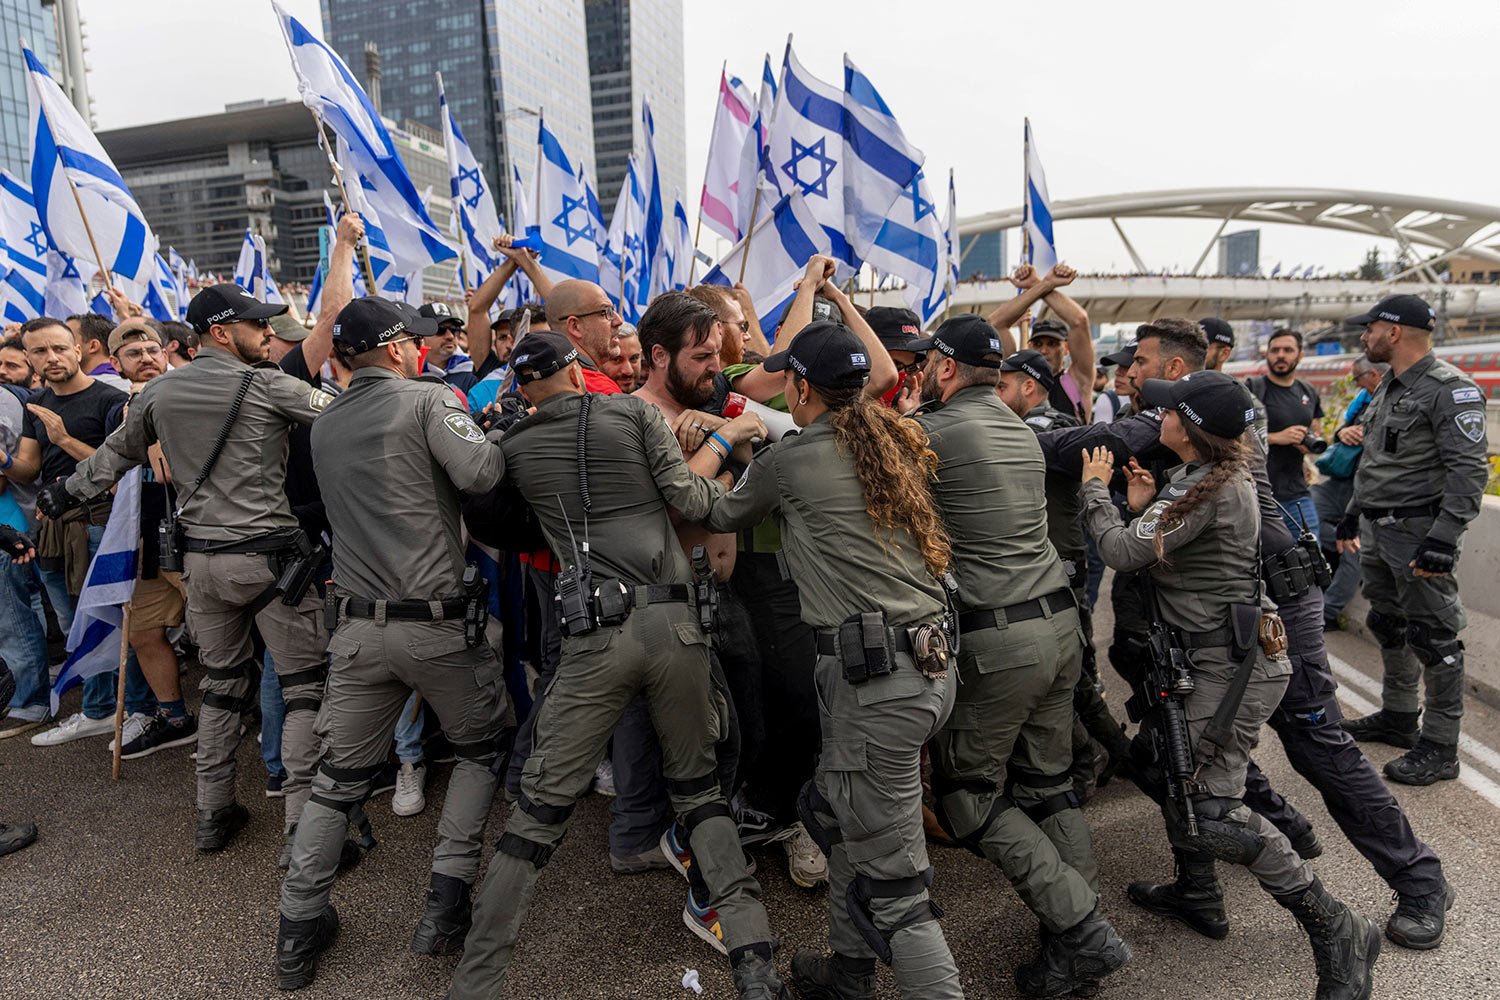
518 292
66 292
654 221
785 235
179 269
473 204
950 227
755 168
23 253
389 282
250 269
620 268
94 639
1041 252
330 90
677 251
161 295
563 225
67 161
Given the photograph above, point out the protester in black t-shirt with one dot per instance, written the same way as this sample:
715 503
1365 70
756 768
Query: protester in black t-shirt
1292 412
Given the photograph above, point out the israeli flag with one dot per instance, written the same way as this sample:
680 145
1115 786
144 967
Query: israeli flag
519 291
785 236
66 291
330 90
755 167
315 292
23 253
67 161
563 224
389 282
654 220
474 207
179 285
620 267
159 291
94 639
909 244
954 252
849 164
250 269
1041 252
677 251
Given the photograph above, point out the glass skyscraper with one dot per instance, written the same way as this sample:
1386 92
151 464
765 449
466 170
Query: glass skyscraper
31 21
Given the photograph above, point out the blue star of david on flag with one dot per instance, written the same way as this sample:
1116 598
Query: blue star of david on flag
468 176
817 155
563 220
70 270
38 239
920 207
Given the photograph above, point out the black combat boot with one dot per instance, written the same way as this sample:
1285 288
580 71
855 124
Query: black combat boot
298 945
217 827
16 836
1195 898
1075 960
1418 920
1117 745
1307 845
1399 729
1345 944
832 977
446 922
755 975
1424 764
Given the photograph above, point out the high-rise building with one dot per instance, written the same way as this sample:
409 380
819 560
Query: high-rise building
1239 253
982 256
635 52
503 63
34 22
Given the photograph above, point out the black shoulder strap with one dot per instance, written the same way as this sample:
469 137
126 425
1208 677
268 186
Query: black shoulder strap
1257 385
219 442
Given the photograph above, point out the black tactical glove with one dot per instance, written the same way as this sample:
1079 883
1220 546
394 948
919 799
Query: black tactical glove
1348 528
501 414
54 500
1434 556
13 543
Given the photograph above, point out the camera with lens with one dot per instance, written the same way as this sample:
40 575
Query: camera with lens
1314 444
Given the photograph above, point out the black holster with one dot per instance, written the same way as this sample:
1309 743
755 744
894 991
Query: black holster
299 566
865 647
1291 573
476 606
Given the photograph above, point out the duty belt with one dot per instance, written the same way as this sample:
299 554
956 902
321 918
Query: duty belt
409 611
1054 603
828 640
1419 510
262 543
660 593
1206 640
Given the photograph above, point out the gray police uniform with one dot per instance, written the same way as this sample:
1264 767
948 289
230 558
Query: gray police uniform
1421 475
865 803
237 524
1212 563
1019 660
636 472
393 455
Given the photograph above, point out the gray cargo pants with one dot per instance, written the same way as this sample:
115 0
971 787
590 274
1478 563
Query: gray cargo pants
372 669
659 651
1416 620
221 587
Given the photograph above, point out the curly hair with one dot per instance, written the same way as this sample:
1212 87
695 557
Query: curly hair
1229 456
895 468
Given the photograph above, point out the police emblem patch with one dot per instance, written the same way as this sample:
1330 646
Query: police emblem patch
319 400
1471 422
1148 523
460 424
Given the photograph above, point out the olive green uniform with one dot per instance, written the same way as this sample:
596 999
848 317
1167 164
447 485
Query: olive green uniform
393 455
235 524
1013 714
865 803
635 471
1421 475
1212 562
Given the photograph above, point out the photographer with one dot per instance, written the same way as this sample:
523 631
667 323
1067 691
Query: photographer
1292 409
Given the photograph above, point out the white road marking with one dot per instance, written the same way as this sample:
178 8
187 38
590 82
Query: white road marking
1350 678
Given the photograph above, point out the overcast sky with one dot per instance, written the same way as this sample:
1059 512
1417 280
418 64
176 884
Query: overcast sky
1379 95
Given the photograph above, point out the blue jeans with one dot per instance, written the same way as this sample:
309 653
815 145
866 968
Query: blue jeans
1296 512
409 733
99 690
272 715
23 642
1332 497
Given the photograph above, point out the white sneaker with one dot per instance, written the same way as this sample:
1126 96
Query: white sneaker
135 724
604 778
409 800
804 861
75 727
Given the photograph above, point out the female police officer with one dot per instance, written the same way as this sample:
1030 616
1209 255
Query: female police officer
863 540
1204 564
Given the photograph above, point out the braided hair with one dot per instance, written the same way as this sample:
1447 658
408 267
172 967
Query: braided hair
1230 457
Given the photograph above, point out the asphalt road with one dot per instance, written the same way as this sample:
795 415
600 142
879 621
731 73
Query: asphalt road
113 902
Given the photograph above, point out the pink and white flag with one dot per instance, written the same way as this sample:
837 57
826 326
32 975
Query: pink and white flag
720 204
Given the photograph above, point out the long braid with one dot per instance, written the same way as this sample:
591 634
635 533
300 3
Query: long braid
1229 457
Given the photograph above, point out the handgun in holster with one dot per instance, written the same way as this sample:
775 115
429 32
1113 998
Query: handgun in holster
706 587
300 562
476 606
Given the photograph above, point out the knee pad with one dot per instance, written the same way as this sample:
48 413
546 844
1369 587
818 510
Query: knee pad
543 813
809 804
492 754
863 889
1433 644
704 812
943 787
1052 805
1225 838
232 689
535 854
1388 630
309 701
351 786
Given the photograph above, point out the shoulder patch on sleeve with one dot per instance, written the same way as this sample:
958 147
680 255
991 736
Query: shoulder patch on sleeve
460 424
319 400
1147 524
1471 424
1041 421
1468 394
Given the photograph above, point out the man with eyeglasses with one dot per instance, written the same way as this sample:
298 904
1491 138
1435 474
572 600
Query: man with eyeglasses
222 423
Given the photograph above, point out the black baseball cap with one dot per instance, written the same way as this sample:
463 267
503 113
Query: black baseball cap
541 355
1406 310
967 339
1032 365
896 328
825 353
370 322
1049 328
1212 400
1217 331
441 312
1124 357
227 302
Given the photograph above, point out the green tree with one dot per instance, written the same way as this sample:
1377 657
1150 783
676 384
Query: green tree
1370 269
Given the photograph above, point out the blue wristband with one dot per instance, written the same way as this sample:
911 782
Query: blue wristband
715 436
9 461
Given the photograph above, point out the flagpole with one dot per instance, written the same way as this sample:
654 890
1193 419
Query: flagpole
338 179
120 680
1024 323
109 278
749 232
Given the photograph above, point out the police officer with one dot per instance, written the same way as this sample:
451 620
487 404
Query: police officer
1204 569
863 539
1020 658
394 446
1220 342
222 423
1419 484
600 472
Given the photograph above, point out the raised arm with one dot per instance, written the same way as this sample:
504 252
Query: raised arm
761 385
1008 313
481 337
1080 334
338 290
